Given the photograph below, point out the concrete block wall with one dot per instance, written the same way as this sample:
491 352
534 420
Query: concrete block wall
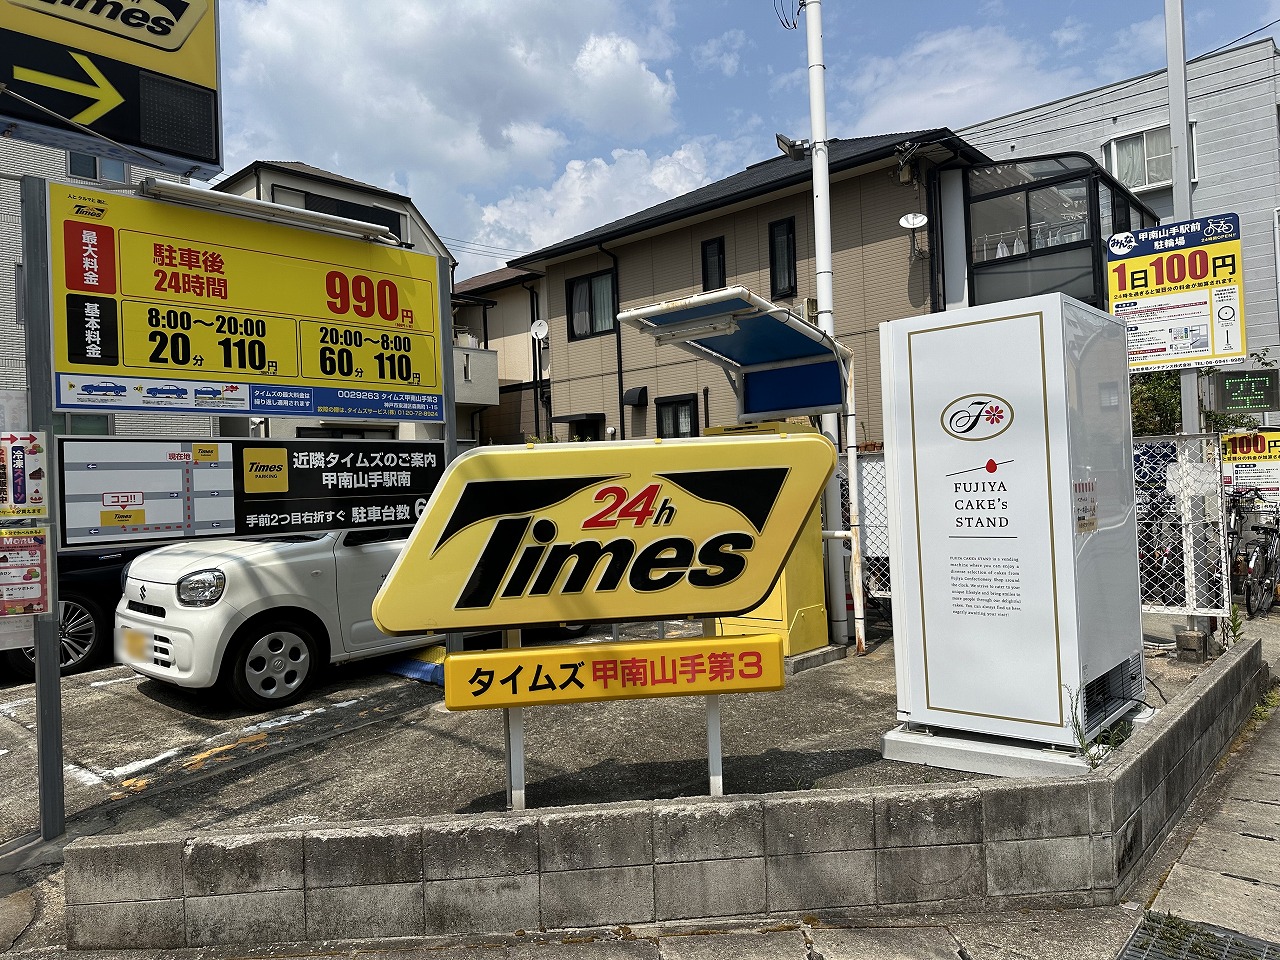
986 844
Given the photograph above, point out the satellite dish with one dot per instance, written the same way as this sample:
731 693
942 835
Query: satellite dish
538 329
913 221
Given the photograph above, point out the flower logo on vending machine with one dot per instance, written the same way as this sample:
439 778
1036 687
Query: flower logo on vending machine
977 416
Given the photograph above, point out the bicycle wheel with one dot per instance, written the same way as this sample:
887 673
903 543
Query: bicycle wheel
1251 588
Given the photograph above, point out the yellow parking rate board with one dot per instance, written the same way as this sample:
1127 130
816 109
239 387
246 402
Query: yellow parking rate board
591 532
585 672
163 307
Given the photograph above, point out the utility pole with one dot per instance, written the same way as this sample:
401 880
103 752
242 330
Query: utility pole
1175 47
830 423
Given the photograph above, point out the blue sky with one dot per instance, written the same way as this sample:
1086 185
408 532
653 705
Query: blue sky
517 123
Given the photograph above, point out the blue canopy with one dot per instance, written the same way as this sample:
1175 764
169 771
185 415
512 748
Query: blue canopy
781 364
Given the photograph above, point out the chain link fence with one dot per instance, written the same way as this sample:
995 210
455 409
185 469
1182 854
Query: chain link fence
1182 559
873 514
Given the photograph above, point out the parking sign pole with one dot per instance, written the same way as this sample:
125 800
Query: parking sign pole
38 322
715 761
513 729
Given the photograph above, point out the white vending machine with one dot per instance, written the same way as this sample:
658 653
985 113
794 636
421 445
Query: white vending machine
1009 459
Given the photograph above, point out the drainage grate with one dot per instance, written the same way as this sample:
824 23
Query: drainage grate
1166 937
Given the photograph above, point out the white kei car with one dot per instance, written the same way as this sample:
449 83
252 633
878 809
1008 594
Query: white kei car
262 616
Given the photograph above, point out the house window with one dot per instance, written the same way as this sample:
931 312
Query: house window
1145 159
337 207
678 416
782 258
81 424
713 277
590 301
97 168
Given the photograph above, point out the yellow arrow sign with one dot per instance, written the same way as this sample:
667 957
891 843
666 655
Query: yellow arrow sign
105 97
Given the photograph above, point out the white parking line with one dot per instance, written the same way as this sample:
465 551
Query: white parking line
119 773
106 683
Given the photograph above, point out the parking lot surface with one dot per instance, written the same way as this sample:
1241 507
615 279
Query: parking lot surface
369 744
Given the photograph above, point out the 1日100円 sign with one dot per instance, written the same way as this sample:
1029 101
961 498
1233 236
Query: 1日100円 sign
635 530
165 308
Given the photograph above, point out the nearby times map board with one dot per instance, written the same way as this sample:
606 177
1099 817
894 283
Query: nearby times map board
165 308
1179 290
117 490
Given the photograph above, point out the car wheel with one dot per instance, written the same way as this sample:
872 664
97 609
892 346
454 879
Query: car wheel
273 664
81 628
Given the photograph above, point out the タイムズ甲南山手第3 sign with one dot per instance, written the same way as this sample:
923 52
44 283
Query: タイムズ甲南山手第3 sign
635 530
167 308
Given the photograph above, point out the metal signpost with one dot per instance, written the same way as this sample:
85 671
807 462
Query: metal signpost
135 82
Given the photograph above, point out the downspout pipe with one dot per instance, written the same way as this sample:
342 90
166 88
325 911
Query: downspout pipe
537 361
617 342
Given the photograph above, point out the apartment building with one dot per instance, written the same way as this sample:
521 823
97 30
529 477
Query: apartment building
1233 98
753 229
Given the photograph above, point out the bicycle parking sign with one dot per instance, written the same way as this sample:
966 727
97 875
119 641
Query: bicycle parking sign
1178 288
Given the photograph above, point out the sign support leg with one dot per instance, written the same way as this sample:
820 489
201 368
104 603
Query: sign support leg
513 730
39 329
715 763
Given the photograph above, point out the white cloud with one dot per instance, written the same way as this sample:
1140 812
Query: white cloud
723 53
1071 35
616 92
1142 42
476 94
590 193
951 79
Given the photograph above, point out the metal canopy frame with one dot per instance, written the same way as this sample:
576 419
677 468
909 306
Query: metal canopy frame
780 365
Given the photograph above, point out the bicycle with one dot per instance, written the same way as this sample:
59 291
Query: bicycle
1162 578
1261 563
1239 505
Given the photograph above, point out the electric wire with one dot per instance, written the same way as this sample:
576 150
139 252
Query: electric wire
475 246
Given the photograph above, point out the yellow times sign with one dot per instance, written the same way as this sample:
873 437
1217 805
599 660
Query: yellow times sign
591 532
586 672
168 308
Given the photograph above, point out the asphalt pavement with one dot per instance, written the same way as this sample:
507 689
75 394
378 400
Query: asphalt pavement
372 745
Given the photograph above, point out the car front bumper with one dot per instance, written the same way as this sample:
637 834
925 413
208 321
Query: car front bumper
167 641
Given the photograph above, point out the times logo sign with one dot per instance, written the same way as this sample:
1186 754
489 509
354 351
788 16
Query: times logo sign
620 531
165 24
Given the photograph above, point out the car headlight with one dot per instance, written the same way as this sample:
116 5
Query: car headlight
202 588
